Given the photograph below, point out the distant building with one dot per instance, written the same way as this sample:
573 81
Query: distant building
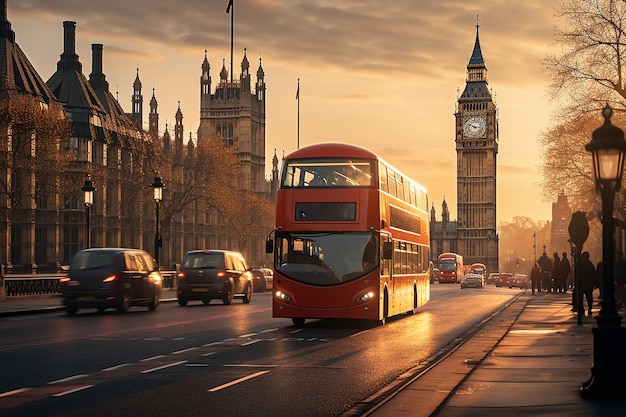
48 228
561 217
477 137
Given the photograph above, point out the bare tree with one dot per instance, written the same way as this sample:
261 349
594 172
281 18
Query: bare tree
588 70
34 143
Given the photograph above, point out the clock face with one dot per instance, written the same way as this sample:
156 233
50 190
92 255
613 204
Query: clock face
474 127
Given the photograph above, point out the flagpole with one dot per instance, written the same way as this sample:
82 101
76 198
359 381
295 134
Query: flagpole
298 97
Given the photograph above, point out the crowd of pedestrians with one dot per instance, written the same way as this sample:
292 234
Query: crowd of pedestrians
556 275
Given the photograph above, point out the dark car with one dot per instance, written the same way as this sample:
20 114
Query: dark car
111 278
504 279
208 274
262 279
520 281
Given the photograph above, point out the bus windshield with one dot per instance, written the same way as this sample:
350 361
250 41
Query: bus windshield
325 259
447 265
328 172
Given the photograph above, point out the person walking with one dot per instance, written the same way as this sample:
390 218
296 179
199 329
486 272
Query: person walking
545 263
535 278
587 276
564 270
554 277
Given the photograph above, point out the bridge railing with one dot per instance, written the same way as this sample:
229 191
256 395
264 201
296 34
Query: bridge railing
22 285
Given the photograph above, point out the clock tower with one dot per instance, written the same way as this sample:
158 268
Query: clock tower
476 118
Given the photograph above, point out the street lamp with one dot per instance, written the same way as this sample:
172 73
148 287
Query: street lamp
608 374
157 187
88 190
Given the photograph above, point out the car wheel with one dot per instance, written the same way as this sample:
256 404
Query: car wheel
124 305
71 310
248 294
227 298
182 302
154 303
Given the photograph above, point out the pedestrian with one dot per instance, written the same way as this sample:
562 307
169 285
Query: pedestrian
545 263
554 277
620 279
535 278
564 270
587 275
599 279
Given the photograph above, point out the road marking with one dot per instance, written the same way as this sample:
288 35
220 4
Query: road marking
252 342
249 335
15 391
237 381
209 353
60 394
158 368
113 368
212 344
69 378
152 358
178 352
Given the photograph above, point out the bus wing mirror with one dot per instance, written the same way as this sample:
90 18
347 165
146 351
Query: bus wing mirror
269 246
387 250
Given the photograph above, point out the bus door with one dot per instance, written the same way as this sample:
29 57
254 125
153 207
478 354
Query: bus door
386 259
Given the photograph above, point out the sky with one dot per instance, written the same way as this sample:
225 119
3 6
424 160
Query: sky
382 75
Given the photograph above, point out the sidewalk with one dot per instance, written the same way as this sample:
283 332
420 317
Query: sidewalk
534 367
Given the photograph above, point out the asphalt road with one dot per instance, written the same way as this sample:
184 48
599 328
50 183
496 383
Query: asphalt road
219 360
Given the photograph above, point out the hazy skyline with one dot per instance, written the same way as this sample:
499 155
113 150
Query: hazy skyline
381 75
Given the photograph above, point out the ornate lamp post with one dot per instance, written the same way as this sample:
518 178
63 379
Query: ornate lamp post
157 187
88 190
608 374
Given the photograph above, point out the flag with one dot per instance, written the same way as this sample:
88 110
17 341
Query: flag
230 4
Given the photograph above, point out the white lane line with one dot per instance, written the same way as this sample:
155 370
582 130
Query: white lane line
60 394
209 354
269 330
178 352
212 344
252 342
113 368
152 358
249 365
69 378
158 368
248 335
237 381
15 391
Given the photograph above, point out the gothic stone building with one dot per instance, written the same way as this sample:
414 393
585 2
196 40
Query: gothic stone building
473 235
48 228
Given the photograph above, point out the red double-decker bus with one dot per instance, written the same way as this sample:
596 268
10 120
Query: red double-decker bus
352 237
450 268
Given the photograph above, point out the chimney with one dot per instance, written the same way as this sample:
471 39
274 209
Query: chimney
69 59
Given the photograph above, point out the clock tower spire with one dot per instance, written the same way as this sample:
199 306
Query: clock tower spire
476 120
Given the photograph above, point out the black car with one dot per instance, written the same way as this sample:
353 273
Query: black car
111 278
208 274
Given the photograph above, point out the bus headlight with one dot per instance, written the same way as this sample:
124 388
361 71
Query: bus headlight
282 296
366 297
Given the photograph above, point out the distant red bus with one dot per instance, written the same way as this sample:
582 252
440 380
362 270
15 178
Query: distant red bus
450 268
352 237
478 268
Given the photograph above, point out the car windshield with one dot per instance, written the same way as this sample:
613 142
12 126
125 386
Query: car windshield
326 258
203 260
92 259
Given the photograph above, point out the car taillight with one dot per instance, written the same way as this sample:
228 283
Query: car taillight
181 275
110 278
221 274
64 279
